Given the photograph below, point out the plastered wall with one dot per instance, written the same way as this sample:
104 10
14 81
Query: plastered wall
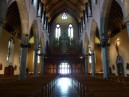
4 51
123 49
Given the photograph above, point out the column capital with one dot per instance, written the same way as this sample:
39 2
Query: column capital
104 42
25 45
25 41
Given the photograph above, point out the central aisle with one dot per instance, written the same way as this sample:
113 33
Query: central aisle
64 88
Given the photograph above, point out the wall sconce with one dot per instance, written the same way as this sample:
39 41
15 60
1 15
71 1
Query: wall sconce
26 44
117 42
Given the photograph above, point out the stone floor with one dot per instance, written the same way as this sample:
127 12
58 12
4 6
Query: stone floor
64 88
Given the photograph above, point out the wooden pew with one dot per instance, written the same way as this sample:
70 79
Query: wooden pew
98 87
31 87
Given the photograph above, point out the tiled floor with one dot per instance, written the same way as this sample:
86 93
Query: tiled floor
64 88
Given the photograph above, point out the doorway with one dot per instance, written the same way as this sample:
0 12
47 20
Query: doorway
120 67
64 68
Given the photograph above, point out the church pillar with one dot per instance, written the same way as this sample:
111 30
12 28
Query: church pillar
24 49
22 74
105 62
86 65
35 63
104 44
93 63
42 65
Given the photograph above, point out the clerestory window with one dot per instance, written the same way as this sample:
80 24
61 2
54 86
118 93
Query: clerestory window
57 31
70 31
64 16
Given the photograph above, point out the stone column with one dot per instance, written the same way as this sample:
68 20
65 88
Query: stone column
105 62
42 65
24 49
86 65
104 44
35 63
22 74
93 64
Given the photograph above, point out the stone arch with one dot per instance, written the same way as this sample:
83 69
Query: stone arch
24 18
43 42
35 33
104 15
93 30
85 43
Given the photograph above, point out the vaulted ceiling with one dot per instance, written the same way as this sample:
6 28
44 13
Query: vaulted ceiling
73 7
13 22
115 19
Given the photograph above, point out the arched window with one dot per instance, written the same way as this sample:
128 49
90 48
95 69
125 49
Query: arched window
57 31
64 16
70 31
10 51
64 68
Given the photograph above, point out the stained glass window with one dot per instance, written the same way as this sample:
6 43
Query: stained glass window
64 68
70 31
64 16
57 31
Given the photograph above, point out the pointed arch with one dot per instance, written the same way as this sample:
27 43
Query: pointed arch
93 31
43 42
104 15
85 43
35 33
24 17
111 20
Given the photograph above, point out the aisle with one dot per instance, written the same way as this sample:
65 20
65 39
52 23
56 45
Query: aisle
64 88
